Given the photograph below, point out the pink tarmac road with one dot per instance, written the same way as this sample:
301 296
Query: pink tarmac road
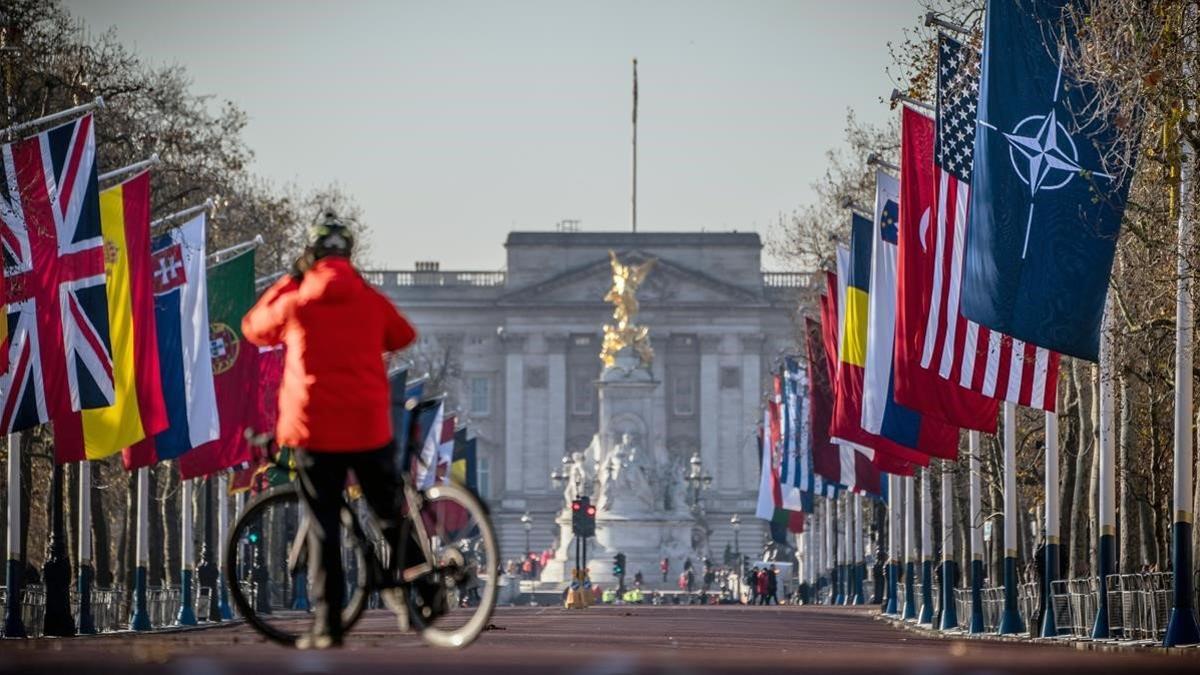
595 641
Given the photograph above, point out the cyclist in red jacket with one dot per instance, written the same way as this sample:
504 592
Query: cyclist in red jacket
334 400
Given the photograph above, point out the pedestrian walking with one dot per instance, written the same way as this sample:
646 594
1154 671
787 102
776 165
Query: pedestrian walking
752 585
761 586
664 567
772 586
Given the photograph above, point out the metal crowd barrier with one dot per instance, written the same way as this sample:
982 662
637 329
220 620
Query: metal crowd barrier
1139 606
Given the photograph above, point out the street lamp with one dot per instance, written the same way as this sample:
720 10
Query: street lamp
696 479
527 521
559 477
735 522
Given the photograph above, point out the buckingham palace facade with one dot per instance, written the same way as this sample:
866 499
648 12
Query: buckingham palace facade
518 352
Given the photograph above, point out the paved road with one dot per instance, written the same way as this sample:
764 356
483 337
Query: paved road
596 641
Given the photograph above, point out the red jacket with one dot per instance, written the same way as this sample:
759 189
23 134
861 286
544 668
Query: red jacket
335 395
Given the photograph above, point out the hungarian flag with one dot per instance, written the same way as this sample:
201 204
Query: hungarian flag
181 321
234 367
958 350
854 277
138 409
922 265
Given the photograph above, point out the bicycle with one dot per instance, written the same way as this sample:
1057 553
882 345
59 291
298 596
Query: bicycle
447 596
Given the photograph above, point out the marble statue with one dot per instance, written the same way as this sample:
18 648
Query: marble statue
625 482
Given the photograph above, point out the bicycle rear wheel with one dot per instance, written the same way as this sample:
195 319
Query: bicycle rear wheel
266 565
466 562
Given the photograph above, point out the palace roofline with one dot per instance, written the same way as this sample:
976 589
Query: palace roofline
622 239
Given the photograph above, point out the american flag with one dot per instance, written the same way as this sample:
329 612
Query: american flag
963 351
57 310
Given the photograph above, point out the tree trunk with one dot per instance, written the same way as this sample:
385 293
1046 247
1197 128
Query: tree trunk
169 513
1079 501
155 573
71 512
1127 518
101 554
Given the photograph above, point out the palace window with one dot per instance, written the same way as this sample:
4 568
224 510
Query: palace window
479 396
583 395
683 395
483 477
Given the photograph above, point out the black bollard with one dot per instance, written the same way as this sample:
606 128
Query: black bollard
206 572
56 571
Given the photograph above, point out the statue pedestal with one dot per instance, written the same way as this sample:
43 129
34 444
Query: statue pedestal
638 494
644 539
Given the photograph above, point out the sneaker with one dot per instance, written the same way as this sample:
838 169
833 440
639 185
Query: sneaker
322 641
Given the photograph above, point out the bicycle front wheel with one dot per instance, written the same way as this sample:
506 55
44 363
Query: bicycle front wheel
466 561
266 565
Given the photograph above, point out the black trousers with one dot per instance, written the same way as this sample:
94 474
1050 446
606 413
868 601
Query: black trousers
322 480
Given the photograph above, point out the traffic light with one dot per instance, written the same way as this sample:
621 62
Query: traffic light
589 518
577 517
583 517
619 565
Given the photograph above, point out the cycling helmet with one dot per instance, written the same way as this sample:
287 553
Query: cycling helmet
330 236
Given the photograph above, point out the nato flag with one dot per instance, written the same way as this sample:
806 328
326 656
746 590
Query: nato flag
1044 214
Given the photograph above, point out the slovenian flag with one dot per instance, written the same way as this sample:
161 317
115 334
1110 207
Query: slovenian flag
881 414
180 284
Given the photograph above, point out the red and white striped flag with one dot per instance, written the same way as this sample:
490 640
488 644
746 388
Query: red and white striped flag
959 350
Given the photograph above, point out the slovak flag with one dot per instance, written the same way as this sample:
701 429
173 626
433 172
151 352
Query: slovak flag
184 348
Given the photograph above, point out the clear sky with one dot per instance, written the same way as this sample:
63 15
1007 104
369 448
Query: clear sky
453 123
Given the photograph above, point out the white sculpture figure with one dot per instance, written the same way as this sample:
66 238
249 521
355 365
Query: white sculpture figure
625 484
577 478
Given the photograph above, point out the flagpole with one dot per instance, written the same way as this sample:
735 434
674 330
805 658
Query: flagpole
911 548
87 623
893 565
78 110
132 168
234 251
897 96
926 614
187 610
1182 628
949 565
847 549
856 510
932 19
14 625
1107 478
208 204
222 531
140 620
830 560
1049 623
1010 617
975 507
635 156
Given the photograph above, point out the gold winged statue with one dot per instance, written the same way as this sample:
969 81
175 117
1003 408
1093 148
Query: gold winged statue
623 295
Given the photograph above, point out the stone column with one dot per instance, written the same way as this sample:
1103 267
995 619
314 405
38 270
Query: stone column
752 390
514 402
725 465
556 411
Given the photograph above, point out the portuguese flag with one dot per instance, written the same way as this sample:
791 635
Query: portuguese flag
234 367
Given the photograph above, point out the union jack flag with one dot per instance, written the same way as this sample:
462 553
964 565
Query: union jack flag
59 353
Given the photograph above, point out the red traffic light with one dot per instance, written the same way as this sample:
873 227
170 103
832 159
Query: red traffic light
591 511
574 506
